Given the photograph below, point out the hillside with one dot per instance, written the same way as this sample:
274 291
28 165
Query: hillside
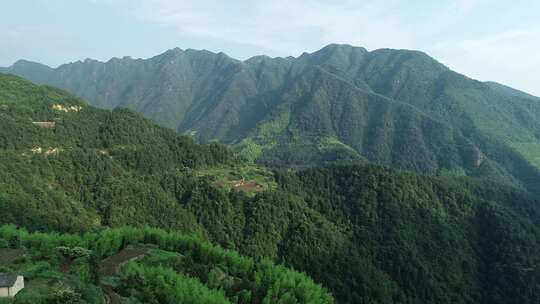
367 233
65 163
409 234
144 266
394 107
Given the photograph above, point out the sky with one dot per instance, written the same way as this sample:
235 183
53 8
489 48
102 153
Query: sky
484 39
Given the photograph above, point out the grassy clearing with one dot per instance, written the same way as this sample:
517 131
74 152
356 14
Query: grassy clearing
248 178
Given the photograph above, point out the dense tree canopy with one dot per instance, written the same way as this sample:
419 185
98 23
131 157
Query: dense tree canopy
367 233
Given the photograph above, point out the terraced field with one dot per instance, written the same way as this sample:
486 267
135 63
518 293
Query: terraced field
247 178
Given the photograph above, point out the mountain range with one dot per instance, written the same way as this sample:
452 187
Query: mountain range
367 233
342 103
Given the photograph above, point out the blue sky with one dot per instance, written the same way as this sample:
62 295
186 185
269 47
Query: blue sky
484 39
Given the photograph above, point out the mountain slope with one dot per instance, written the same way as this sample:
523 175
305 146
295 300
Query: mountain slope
342 103
461 232
369 234
144 265
52 143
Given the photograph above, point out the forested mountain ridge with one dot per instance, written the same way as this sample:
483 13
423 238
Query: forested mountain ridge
54 144
394 107
367 233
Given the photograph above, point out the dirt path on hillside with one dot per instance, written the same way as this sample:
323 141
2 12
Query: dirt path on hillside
111 265
8 256
111 297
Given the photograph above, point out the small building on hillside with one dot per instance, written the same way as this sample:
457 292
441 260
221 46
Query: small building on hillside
10 285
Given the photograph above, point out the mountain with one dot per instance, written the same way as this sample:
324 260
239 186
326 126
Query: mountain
509 90
394 107
39 72
368 233
53 146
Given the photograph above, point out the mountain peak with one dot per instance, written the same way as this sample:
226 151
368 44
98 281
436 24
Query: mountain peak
191 53
170 53
175 50
27 63
36 71
342 47
336 54
335 49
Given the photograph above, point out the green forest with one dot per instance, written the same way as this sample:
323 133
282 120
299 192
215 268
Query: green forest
100 204
398 108
145 265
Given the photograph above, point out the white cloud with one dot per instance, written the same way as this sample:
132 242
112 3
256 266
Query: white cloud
23 41
509 57
283 26
466 6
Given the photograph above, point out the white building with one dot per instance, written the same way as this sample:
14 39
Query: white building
10 285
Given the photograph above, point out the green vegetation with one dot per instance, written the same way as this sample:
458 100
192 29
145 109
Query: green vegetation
531 151
409 234
367 233
249 149
62 268
243 177
398 108
94 167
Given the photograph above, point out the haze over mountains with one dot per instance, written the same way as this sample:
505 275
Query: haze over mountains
395 107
